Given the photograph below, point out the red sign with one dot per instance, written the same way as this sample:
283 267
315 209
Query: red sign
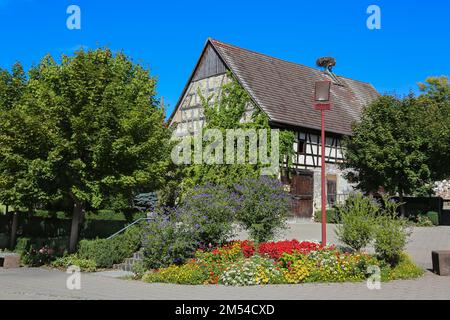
322 106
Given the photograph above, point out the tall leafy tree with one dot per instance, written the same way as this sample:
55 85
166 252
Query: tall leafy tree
402 144
388 148
435 102
104 129
22 143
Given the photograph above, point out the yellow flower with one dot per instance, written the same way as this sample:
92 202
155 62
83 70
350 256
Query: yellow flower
298 273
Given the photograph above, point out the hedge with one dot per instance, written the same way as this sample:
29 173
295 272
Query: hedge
107 252
434 217
36 227
331 216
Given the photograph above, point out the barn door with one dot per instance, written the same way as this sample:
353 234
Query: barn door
302 193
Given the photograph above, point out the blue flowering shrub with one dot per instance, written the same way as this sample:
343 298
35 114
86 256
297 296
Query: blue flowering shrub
263 205
213 209
203 219
170 237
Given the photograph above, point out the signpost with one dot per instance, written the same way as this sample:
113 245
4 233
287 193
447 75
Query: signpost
323 102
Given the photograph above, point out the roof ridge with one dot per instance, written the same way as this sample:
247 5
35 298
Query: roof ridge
356 80
279 59
262 54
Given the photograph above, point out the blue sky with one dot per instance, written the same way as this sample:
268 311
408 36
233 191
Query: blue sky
167 36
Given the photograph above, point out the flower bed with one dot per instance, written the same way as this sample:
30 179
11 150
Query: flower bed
242 263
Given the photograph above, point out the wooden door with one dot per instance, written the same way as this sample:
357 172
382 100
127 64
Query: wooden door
302 192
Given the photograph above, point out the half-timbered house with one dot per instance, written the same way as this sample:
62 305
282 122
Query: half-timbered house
284 92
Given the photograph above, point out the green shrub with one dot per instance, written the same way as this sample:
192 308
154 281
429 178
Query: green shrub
36 252
357 218
85 265
390 237
102 251
37 257
423 221
434 217
59 244
263 207
131 240
106 252
331 216
22 245
139 269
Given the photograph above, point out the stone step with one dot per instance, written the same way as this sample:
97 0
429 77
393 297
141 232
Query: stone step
138 255
127 264
123 267
130 260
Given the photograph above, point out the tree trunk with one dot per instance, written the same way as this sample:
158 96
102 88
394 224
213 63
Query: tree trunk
77 213
15 222
402 206
30 212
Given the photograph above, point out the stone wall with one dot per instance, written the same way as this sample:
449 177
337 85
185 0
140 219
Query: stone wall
343 187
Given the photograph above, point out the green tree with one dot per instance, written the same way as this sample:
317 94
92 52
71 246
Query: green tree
22 144
105 132
388 148
402 145
435 102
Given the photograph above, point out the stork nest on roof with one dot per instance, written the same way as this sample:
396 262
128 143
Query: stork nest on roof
326 62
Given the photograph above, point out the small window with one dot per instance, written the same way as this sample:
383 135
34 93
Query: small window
301 146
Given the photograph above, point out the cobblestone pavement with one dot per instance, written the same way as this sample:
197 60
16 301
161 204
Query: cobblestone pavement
35 283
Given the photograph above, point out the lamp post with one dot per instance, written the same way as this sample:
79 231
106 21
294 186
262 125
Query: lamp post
322 100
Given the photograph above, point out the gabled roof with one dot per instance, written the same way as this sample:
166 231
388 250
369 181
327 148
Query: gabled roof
285 90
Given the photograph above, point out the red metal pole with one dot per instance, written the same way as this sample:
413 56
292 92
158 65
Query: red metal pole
324 202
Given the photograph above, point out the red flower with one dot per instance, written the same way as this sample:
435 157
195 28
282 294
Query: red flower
276 249
247 248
